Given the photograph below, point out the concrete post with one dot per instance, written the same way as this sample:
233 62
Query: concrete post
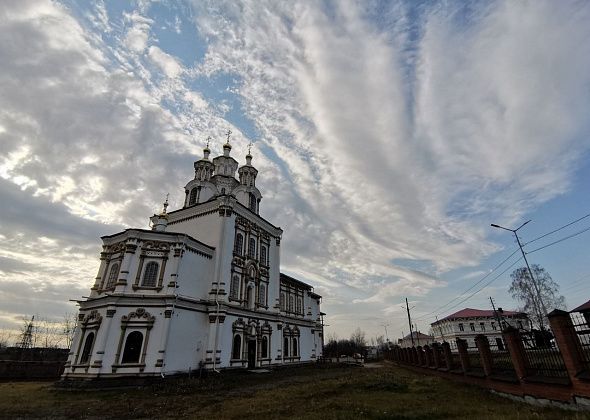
567 342
436 355
483 347
448 355
463 355
516 349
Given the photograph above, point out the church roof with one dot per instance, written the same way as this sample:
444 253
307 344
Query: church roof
156 232
584 307
299 283
418 335
477 313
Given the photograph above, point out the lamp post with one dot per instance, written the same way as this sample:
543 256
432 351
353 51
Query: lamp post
527 266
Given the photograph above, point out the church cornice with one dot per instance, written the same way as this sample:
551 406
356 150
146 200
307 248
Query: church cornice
170 238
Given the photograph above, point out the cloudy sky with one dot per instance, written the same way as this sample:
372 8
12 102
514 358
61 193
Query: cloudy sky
388 136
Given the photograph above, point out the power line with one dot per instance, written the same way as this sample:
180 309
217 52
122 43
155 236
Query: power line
558 229
560 240
470 288
486 285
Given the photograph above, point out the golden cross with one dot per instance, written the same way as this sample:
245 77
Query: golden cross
249 147
208 139
228 133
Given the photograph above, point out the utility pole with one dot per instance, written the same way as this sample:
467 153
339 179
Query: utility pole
535 285
496 315
410 322
440 329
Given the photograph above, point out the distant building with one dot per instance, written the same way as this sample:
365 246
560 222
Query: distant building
419 340
584 309
468 323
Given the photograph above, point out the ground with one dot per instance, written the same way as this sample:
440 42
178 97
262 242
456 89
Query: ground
381 392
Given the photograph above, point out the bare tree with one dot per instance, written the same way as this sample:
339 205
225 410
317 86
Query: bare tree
69 324
536 298
358 338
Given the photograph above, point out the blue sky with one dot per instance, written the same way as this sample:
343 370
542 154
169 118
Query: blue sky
388 136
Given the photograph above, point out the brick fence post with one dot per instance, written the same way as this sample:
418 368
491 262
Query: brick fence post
516 349
420 355
446 347
436 355
428 352
483 347
567 342
463 355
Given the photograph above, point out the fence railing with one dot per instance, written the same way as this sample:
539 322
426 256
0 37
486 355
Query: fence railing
552 365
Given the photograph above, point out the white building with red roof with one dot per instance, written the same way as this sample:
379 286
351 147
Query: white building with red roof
468 323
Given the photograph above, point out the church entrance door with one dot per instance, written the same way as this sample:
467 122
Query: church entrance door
251 354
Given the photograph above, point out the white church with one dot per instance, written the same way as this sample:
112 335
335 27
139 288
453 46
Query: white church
201 289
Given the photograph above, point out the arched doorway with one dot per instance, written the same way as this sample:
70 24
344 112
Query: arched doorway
251 354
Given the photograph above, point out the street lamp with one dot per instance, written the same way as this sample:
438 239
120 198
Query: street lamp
527 264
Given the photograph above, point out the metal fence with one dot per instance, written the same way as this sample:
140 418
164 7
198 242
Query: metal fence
474 357
543 357
501 361
581 322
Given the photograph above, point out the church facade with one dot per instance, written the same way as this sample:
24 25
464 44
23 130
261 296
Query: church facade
201 289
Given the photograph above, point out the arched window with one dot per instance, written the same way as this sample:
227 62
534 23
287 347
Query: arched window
234 290
262 295
239 244
193 197
112 276
295 351
252 203
223 191
263 255
299 306
85 358
286 346
264 349
291 303
150 275
249 297
252 248
282 301
237 348
132 349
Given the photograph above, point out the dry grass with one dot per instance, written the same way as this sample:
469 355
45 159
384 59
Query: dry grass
319 393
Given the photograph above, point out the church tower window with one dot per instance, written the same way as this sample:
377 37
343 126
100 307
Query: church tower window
286 346
264 349
252 203
263 255
299 306
150 274
291 303
262 295
237 347
193 197
132 349
295 351
85 358
252 248
235 288
282 303
239 244
112 276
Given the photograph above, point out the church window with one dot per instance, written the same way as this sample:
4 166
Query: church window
252 202
193 197
249 297
299 306
237 347
252 248
235 287
85 358
291 303
295 351
264 347
239 244
282 301
263 255
286 346
132 349
113 276
150 274
262 295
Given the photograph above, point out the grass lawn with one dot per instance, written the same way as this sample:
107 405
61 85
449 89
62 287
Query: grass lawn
387 392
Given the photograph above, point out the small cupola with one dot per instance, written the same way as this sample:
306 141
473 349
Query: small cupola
160 221
204 167
247 173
